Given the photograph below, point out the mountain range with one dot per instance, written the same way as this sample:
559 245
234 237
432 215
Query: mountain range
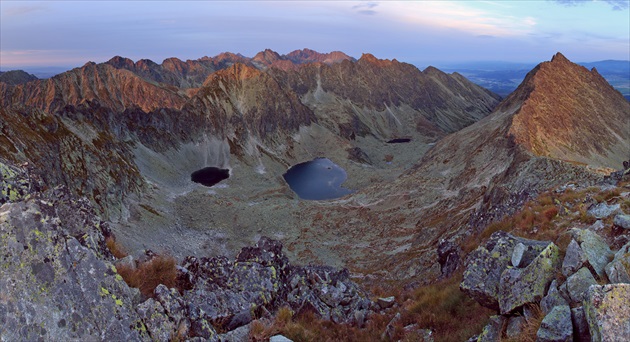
126 136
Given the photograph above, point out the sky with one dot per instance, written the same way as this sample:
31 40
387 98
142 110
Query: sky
70 33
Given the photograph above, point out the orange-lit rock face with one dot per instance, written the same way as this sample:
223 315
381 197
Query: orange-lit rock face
570 113
113 88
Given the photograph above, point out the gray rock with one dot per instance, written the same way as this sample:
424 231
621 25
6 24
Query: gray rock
388 334
556 326
552 299
485 265
602 210
239 334
492 331
574 259
618 270
519 286
608 313
578 284
279 338
517 254
515 326
448 257
595 248
622 220
55 287
597 226
580 325
386 302
158 325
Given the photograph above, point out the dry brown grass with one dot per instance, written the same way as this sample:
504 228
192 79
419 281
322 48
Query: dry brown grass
148 275
531 326
115 248
443 308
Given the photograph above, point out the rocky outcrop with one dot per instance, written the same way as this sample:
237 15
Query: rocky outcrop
231 294
607 312
58 281
493 282
575 307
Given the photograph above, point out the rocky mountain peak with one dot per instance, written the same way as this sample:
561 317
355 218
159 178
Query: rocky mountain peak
266 58
368 58
15 77
119 62
310 56
564 111
560 58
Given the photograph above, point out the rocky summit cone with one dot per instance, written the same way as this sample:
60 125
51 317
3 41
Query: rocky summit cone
566 112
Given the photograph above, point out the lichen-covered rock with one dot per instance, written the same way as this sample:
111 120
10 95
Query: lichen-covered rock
556 326
603 210
326 291
622 220
56 285
14 183
229 294
485 265
580 325
515 326
574 259
552 299
595 248
607 312
519 286
578 284
618 270
492 331
158 325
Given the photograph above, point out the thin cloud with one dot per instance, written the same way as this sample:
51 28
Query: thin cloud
616 5
366 8
23 9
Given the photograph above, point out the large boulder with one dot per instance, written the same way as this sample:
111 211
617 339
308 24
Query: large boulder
574 259
603 210
55 282
578 284
607 312
595 248
556 326
552 299
485 265
618 270
492 331
622 220
519 286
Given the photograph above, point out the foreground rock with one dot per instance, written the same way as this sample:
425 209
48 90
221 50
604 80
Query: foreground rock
54 280
57 280
574 306
493 282
607 312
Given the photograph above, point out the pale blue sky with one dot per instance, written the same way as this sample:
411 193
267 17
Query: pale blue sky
69 33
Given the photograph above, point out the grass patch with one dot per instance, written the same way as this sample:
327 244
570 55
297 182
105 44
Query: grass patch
148 275
115 248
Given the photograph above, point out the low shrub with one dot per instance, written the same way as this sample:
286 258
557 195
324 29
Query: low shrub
148 275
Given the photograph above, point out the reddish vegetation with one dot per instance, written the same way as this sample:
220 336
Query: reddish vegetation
115 248
148 275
